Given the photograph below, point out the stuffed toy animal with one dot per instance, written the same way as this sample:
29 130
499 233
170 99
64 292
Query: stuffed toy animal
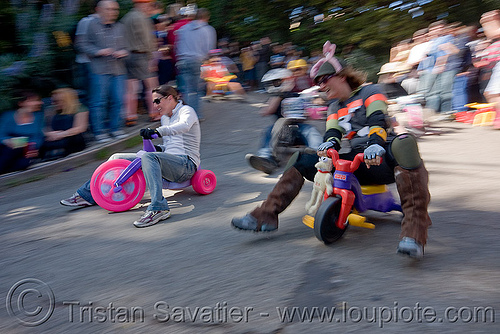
323 180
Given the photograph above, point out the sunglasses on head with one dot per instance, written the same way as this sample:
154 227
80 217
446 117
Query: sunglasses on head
158 99
324 79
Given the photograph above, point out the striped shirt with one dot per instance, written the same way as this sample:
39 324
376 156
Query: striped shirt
363 111
492 54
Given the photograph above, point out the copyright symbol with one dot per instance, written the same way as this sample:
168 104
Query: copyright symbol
30 301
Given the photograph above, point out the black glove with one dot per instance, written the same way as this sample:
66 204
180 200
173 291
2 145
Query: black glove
148 133
158 148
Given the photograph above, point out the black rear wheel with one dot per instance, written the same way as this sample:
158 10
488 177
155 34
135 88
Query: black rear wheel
325 227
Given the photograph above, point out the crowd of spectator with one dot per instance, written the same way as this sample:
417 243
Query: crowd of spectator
449 64
119 62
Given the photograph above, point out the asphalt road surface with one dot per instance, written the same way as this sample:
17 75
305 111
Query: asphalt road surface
87 270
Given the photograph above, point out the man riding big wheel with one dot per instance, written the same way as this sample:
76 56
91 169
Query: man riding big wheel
358 113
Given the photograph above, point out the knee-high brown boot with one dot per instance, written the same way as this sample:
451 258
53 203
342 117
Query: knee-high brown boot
265 217
413 190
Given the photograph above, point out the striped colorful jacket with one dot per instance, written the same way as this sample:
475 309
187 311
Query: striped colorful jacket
361 118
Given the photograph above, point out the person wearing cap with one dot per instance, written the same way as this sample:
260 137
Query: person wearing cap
357 114
193 44
299 70
387 80
185 15
141 43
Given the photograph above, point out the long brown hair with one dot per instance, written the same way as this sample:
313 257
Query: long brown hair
354 77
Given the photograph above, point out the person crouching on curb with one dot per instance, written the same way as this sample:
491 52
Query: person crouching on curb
176 160
358 111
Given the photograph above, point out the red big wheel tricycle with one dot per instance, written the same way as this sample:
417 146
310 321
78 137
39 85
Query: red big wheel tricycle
334 214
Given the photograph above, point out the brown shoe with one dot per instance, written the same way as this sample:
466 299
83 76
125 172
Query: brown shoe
154 118
130 122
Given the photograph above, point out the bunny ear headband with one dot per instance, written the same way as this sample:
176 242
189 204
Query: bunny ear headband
329 61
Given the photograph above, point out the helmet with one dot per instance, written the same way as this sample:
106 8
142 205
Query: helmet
278 80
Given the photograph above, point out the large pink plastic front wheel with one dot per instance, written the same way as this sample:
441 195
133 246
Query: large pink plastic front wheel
103 189
204 181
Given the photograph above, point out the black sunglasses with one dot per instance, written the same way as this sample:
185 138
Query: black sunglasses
324 79
158 99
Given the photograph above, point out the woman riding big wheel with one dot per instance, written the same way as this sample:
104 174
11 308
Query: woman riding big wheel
357 115
177 160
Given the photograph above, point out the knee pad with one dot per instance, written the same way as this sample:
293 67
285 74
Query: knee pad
404 149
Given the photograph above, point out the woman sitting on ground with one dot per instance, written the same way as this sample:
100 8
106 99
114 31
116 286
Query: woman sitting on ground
21 133
65 128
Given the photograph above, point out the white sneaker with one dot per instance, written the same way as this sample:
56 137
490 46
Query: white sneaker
119 134
102 138
75 201
151 217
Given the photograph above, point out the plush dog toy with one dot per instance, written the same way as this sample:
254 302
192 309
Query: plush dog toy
323 180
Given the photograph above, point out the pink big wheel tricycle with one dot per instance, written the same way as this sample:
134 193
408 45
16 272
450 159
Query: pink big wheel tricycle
118 185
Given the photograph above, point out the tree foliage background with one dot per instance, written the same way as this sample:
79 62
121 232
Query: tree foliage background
36 45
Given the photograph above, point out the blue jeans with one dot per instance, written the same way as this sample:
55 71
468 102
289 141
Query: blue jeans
309 135
260 70
102 86
156 166
82 82
460 95
440 94
188 81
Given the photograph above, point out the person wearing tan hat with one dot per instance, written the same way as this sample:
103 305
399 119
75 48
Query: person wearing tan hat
358 115
387 80
139 34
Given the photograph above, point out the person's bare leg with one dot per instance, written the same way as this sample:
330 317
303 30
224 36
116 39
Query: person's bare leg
131 100
151 83
236 87
496 100
210 88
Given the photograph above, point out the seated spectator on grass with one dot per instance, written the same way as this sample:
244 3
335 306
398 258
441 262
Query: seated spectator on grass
21 133
66 126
